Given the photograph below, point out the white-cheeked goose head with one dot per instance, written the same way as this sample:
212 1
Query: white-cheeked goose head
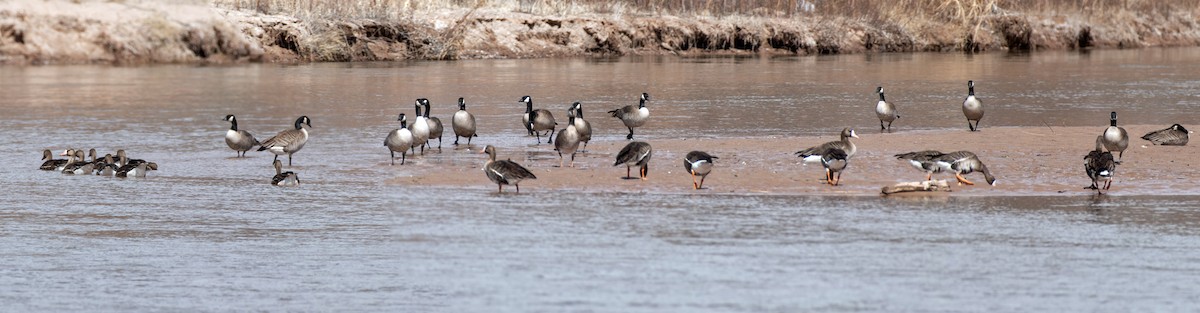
633 116
886 111
972 108
463 123
289 141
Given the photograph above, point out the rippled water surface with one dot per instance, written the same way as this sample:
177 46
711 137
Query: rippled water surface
207 233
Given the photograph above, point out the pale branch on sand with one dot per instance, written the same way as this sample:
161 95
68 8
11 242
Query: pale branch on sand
929 185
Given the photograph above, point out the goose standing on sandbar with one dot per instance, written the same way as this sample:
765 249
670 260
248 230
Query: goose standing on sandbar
567 140
420 129
964 162
1175 135
1115 138
52 164
1099 165
582 126
972 107
282 178
698 163
399 140
635 153
633 116
835 161
463 123
537 120
504 172
923 160
885 111
286 142
435 126
238 140
813 154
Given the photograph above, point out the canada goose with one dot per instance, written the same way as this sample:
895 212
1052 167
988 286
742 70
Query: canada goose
635 153
835 161
79 165
972 107
420 129
399 140
52 164
1175 135
567 140
923 160
504 172
1115 138
238 140
698 163
633 116
964 162
463 123
288 141
1099 165
282 178
582 126
435 125
813 154
885 111
537 120
138 170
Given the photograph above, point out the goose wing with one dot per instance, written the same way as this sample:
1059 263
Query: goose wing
823 149
508 170
1168 136
623 111
282 139
634 152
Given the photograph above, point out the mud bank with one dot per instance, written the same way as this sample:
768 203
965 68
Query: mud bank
154 32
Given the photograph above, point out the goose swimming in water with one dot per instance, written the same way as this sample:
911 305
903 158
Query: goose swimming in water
238 140
463 123
288 141
504 172
698 163
282 178
138 170
633 116
635 153
52 164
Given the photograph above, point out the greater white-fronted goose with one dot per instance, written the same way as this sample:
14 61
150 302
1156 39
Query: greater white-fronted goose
923 160
885 111
813 154
420 129
123 159
238 140
79 165
289 141
504 172
463 123
537 120
582 126
399 140
835 160
635 153
1175 135
52 164
972 107
964 162
138 170
1099 165
435 126
1115 138
698 163
633 116
106 166
567 140
282 178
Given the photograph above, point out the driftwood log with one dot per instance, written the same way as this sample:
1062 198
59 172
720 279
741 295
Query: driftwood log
929 185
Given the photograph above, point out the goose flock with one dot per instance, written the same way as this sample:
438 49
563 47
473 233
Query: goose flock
76 164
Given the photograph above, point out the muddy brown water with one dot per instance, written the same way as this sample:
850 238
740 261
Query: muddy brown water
206 232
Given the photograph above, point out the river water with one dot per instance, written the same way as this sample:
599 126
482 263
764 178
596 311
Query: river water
207 233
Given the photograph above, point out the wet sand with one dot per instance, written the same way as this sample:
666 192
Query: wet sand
1025 161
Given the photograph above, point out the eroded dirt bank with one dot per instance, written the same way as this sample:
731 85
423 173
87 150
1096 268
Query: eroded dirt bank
153 32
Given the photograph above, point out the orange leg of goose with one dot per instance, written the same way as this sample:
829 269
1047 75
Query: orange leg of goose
828 177
701 182
627 172
928 176
644 171
838 180
695 185
962 180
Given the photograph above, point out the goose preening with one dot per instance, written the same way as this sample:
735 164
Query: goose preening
923 160
504 172
399 140
567 140
698 163
972 107
1175 135
964 162
813 154
137 170
537 120
1115 138
289 141
282 178
1099 165
238 140
52 164
633 116
834 160
463 123
420 129
635 153
885 111
582 126
79 165
435 126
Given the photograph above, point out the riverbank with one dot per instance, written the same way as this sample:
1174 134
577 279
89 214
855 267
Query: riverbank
228 31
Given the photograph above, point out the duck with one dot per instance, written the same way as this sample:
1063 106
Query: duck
282 178
582 126
567 140
463 123
399 140
813 154
505 172
1115 137
1175 135
633 116
435 126
420 129
238 140
79 165
52 164
288 141
835 160
138 170
698 163
972 108
923 160
537 120
1099 165
964 162
635 153
885 111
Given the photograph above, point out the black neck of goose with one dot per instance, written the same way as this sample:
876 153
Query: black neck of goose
528 106
532 115
881 96
970 90
642 103
403 124
462 105
579 112
570 120
426 109
418 106
233 121
299 122
1113 121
